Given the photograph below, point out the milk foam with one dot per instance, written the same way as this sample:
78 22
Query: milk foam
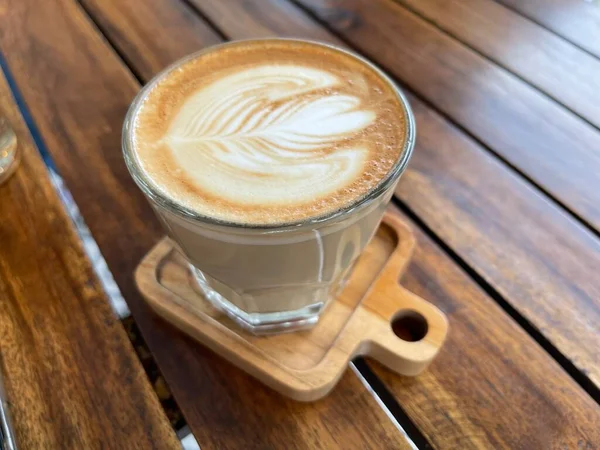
260 137
280 139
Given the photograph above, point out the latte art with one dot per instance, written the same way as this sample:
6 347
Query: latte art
268 131
269 126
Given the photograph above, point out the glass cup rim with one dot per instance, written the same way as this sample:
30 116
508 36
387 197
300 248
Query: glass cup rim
153 193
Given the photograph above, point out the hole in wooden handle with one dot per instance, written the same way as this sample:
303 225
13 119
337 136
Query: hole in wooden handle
410 325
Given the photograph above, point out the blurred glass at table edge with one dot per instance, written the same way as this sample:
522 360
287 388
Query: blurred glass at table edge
9 150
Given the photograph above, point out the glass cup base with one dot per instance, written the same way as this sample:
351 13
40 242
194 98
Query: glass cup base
260 323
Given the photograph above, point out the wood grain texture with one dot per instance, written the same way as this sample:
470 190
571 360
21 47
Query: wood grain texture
306 365
537 258
495 389
542 139
496 222
575 20
555 66
491 387
241 19
185 34
72 378
78 92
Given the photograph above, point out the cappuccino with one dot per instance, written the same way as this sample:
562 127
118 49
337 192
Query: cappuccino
270 163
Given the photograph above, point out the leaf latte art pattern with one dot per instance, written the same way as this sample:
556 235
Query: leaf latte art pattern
270 135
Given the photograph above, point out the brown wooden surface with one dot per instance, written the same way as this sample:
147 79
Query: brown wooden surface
474 203
72 378
307 365
534 133
499 389
492 387
555 66
80 121
576 20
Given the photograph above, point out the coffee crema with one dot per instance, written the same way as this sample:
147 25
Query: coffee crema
269 131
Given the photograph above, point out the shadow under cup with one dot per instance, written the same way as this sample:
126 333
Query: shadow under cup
271 278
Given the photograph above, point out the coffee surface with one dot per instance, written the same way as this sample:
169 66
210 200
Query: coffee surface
266 132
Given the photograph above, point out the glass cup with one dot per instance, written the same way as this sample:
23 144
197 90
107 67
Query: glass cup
271 278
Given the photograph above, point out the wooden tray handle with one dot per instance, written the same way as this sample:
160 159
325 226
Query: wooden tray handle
398 328
409 336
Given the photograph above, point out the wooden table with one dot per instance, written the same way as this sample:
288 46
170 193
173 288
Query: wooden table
503 193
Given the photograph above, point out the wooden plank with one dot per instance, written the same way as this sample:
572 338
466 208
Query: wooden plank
555 66
549 144
178 42
575 20
245 20
473 203
496 394
78 91
71 375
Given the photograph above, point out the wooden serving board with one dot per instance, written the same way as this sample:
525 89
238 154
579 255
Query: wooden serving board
373 316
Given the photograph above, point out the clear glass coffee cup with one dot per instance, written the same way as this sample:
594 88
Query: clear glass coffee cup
271 277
